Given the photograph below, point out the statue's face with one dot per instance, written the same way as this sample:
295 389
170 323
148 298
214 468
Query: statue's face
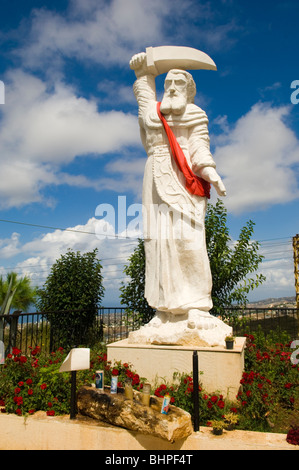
175 94
175 84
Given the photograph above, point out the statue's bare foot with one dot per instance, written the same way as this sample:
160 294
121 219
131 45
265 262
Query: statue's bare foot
200 319
159 319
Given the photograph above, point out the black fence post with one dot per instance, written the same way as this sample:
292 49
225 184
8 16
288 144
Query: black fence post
73 395
195 392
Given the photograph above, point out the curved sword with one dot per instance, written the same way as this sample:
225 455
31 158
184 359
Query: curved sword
164 58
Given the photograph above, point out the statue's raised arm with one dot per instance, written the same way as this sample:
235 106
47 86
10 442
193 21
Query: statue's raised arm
138 63
144 87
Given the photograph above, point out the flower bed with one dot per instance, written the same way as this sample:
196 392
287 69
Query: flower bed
269 386
32 382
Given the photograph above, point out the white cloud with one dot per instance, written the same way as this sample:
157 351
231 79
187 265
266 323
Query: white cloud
57 126
257 159
278 268
40 253
10 247
279 280
110 32
43 130
98 31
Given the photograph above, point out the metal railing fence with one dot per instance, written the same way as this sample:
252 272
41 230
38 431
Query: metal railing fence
250 320
26 330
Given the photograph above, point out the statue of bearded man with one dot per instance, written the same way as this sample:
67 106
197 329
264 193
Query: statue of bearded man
175 190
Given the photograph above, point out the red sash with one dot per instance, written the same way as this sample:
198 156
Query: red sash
194 184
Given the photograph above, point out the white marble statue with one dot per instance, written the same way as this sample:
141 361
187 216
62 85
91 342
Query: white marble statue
175 189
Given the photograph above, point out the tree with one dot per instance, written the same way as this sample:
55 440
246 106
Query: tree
15 293
71 297
231 263
132 294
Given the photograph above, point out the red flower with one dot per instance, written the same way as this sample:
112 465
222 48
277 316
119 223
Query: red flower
214 399
220 404
17 390
115 372
29 381
31 412
9 356
136 379
18 412
35 351
50 413
293 436
30 391
50 404
23 359
16 351
18 400
43 386
20 384
288 385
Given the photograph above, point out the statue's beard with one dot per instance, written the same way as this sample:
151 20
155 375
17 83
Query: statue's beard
175 104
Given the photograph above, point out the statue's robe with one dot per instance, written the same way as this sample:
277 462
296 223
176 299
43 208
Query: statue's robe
178 276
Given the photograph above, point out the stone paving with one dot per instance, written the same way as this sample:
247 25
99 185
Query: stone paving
40 432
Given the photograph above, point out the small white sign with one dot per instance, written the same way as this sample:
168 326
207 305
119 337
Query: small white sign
77 359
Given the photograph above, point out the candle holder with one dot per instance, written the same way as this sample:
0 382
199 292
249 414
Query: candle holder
128 389
146 394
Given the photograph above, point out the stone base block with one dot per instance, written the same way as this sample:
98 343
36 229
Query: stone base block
133 415
221 368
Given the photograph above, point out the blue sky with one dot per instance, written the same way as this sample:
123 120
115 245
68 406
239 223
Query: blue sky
69 137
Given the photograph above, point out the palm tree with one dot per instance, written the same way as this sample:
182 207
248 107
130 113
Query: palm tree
14 293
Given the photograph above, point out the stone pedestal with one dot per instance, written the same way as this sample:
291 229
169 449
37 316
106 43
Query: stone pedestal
221 368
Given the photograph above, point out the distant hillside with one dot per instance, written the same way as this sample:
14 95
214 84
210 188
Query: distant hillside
286 302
